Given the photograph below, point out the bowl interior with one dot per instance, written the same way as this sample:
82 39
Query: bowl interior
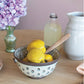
22 52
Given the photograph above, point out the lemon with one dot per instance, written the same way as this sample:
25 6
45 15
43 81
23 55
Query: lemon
48 58
25 59
36 55
37 44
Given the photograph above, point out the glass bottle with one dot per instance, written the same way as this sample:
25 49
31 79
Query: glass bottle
52 31
10 39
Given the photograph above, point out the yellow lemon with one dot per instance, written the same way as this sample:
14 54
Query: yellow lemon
36 55
25 59
48 58
37 44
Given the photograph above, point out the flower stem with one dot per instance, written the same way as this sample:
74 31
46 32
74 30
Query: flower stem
9 27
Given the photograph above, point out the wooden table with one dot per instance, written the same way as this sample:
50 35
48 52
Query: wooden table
64 73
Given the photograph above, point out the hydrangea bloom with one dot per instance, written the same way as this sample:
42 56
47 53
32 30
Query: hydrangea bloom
11 11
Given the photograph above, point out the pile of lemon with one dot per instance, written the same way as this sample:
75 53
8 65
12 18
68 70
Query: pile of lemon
36 53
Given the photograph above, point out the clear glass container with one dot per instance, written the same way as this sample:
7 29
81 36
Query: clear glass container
52 31
10 39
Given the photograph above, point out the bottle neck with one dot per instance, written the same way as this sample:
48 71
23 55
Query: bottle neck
10 30
52 20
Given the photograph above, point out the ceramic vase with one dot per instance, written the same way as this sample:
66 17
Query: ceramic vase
74 47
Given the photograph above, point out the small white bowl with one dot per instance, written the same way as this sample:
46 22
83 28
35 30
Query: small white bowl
35 70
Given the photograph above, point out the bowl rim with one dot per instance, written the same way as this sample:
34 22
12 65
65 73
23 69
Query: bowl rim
36 64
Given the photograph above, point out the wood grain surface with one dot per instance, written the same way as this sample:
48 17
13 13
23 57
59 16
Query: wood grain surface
64 73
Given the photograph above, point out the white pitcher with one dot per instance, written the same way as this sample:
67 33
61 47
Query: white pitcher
74 47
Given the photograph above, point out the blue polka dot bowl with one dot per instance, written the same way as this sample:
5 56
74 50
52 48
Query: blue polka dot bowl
35 70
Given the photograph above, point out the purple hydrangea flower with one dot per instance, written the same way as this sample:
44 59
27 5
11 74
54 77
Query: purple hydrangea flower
11 11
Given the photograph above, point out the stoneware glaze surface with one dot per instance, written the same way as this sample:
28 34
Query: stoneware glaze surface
74 47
